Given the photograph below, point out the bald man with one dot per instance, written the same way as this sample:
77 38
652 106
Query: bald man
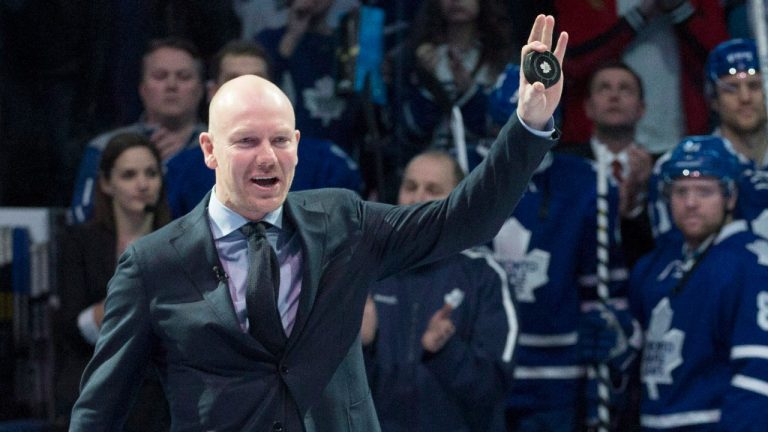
179 297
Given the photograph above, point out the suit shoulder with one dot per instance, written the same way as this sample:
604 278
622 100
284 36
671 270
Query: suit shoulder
324 196
163 235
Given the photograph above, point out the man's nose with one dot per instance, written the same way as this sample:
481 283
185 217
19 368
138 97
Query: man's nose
421 196
265 154
172 81
691 199
742 91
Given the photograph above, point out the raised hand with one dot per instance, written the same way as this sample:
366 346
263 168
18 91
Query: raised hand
537 103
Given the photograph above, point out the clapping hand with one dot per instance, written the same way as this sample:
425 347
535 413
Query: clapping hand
439 330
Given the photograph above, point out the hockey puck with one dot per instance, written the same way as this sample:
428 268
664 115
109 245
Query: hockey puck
542 67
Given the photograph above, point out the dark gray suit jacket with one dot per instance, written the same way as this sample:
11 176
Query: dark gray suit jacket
166 306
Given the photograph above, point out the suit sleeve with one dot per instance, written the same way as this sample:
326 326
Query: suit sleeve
476 367
122 353
402 237
746 402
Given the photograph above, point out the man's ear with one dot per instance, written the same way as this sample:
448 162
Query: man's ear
206 145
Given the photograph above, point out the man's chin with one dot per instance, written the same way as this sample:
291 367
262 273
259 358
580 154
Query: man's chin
268 204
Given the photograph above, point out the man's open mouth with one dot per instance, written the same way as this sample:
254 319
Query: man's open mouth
265 181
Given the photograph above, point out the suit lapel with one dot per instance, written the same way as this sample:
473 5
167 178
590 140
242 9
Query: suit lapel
198 256
311 225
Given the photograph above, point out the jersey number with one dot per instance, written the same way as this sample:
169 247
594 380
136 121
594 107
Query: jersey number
762 310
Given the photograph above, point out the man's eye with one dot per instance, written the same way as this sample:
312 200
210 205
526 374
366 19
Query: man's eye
726 87
245 142
185 76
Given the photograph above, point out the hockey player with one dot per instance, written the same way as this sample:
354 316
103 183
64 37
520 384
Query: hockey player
735 91
702 300
440 338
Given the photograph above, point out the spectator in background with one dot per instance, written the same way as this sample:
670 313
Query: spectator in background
439 339
303 55
615 104
702 301
323 163
237 57
129 202
548 249
452 58
664 41
171 89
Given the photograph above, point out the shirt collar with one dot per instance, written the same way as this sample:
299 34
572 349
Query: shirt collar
602 153
224 220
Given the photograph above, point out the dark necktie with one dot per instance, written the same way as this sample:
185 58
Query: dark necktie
617 170
262 287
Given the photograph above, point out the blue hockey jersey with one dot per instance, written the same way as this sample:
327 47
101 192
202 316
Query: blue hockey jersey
549 251
461 387
705 357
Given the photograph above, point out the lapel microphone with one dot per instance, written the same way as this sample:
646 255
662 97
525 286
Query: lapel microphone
221 275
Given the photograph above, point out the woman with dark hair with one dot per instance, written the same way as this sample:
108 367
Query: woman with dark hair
454 54
129 203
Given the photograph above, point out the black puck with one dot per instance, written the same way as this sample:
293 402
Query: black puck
542 67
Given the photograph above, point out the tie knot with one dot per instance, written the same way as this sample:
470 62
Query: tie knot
254 229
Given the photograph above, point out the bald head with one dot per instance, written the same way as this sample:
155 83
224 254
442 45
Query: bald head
251 143
245 93
429 176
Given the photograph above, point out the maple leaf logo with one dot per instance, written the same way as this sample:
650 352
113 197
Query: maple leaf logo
760 224
526 271
321 101
759 248
545 67
662 351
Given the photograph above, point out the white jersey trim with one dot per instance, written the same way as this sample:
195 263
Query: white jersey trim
751 384
689 418
548 340
749 351
615 275
550 372
506 300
